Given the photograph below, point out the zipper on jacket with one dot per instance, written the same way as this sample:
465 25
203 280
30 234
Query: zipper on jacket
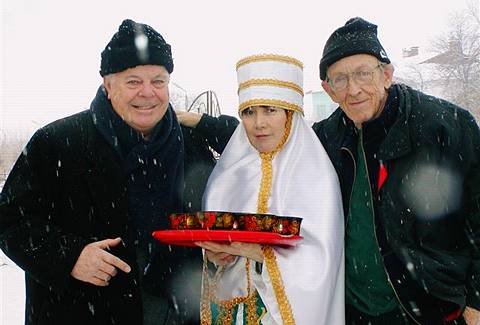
376 240
354 176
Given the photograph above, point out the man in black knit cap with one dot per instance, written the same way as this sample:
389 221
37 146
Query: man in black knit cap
409 170
78 209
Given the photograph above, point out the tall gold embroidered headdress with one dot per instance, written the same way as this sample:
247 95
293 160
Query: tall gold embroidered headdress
270 80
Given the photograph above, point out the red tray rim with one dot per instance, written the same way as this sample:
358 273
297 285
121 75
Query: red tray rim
187 237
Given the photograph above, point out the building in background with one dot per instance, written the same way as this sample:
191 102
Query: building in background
318 105
448 74
415 69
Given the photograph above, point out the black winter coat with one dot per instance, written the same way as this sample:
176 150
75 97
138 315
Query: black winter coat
427 211
68 189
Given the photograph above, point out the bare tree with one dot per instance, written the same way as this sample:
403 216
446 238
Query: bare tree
180 98
473 8
413 76
181 101
458 59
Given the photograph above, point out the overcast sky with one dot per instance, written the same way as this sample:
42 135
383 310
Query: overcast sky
51 49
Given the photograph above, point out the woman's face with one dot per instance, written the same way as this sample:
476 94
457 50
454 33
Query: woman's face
265 126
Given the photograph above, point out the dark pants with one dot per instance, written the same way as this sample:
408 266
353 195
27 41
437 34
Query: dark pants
157 311
157 308
396 317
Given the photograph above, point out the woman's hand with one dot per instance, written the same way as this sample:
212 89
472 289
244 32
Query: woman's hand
189 119
219 259
249 250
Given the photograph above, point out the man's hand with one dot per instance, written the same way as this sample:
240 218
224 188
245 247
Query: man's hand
249 250
189 119
471 316
97 266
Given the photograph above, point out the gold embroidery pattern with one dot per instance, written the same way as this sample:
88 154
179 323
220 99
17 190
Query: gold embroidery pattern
270 82
270 57
270 102
226 306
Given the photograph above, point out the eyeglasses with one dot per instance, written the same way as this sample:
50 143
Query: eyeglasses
361 77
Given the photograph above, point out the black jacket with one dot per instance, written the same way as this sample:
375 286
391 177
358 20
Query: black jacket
427 211
68 189
431 155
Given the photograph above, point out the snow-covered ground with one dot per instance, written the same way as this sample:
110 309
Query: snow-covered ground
12 292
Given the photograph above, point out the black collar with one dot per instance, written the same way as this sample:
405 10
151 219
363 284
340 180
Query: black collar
379 127
122 137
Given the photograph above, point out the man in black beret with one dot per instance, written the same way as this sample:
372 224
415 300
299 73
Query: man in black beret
78 209
409 169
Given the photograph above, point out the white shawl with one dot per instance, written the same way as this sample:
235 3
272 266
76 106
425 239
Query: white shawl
304 184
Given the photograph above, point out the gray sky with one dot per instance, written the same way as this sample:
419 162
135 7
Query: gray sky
51 49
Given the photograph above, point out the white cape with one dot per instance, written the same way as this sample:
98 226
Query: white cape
304 184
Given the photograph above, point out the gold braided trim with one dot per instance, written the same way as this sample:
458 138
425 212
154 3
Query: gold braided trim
226 306
277 284
270 102
269 57
266 183
267 157
205 311
271 82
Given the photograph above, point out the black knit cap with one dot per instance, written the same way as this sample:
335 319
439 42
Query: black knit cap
358 36
135 44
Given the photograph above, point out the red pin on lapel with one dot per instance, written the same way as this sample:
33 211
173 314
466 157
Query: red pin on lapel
382 175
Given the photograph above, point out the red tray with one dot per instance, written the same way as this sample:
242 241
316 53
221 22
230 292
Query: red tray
188 237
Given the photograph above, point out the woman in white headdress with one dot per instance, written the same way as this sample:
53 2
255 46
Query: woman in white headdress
275 164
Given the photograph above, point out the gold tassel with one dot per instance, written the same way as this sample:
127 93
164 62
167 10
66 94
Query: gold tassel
205 311
225 306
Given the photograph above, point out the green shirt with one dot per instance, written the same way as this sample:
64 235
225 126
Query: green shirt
367 286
